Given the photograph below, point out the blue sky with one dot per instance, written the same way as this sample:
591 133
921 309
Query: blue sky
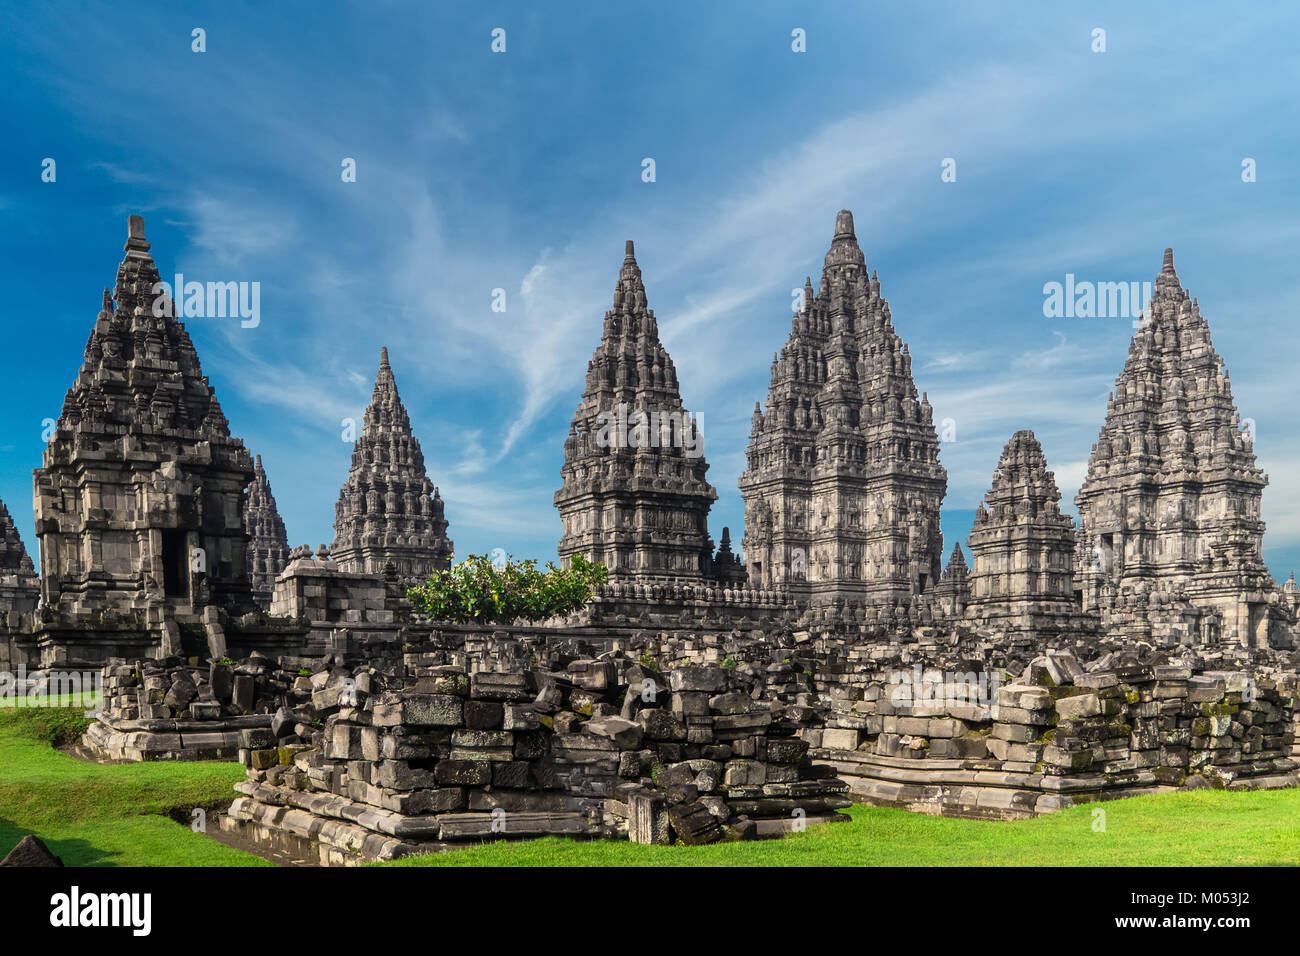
522 171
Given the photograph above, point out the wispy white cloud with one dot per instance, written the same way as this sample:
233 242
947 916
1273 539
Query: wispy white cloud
409 254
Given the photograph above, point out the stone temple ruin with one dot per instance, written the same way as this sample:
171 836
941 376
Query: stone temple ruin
268 542
701 695
843 487
389 517
635 496
1170 531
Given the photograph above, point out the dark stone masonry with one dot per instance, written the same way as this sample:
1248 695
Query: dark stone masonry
702 694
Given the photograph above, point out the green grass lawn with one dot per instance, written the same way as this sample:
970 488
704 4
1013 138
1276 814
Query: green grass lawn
1202 828
92 815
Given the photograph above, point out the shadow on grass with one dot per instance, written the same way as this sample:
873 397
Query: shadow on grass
72 851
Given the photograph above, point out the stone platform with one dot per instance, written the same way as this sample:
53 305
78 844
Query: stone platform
116 740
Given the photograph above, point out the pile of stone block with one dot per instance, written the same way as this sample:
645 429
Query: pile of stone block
603 747
1061 733
445 758
173 709
1166 725
720 763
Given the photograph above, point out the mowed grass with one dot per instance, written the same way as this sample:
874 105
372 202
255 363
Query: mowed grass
1201 828
93 815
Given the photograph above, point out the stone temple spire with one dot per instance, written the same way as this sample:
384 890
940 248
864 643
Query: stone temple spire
843 484
19 587
635 496
139 500
16 567
13 556
1171 501
726 565
1022 546
268 545
389 516
953 589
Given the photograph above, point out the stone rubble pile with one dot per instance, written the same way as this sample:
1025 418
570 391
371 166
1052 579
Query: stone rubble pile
1059 733
169 709
438 756
174 708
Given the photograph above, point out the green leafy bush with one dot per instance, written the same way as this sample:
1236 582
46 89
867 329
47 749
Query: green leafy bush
477 591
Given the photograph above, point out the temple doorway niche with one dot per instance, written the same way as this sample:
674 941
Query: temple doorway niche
1107 552
176 579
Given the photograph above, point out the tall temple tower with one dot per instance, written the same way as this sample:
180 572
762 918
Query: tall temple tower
268 544
389 512
1169 514
952 593
19 588
139 498
1022 547
843 485
635 496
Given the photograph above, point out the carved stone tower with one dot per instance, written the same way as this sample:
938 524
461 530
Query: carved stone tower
19 589
952 593
1169 513
139 500
635 495
1022 547
843 485
268 545
388 511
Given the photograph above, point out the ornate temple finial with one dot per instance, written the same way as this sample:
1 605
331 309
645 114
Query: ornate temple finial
629 251
844 224
1169 261
108 299
383 357
135 240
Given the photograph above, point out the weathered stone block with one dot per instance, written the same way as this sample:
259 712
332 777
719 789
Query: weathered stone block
1080 705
